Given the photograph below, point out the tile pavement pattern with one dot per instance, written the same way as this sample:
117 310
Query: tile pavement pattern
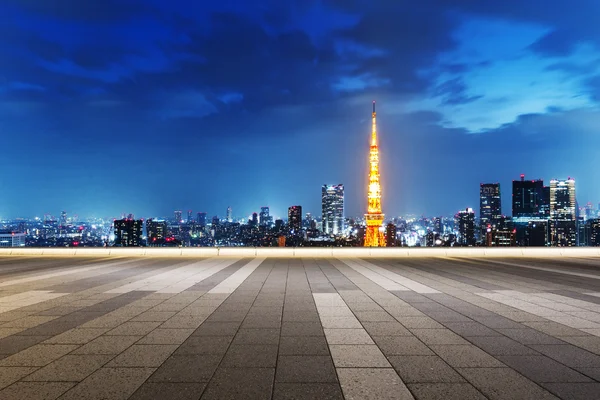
302 328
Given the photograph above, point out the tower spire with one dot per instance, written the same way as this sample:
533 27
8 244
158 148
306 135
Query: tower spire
374 217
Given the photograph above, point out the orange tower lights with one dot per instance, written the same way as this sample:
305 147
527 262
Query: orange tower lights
374 217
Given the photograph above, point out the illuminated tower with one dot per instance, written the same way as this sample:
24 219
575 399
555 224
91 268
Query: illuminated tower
374 217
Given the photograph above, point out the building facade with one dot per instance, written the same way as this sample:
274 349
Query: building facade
464 222
295 220
12 239
563 213
490 205
156 231
332 204
128 232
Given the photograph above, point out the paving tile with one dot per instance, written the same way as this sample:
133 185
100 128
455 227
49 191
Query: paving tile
250 356
70 368
569 355
187 368
469 329
358 356
386 329
445 391
143 355
109 383
16 343
257 336
205 345
543 369
402 346
301 329
504 383
35 390
166 336
303 345
501 346
347 336
340 322
438 336
305 369
424 369
169 391
554 329
418 322
372 383
38 355
530 336
134 329
217 329
76 336
465 356
5 332
307 391
107 345
574 391
241 383
373 316
9 375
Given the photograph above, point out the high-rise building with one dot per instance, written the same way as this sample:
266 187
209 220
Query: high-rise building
201 219
332 202
63 218
12 239
527 197
374 217
254 219
190 217
563 213
594 231
265 219
490 206
229 214
390 235
438 225
128 232
295 220
156 231
464 222
178 215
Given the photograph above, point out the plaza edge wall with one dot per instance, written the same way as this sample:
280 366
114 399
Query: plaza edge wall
315 252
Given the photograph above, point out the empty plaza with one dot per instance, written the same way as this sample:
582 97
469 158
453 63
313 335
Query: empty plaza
299 325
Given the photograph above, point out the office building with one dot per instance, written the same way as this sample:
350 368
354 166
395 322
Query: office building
594 231
156 231
295 220
190 217
537 233
490 206
265 219
332 202
12 239
390 235
527 197
464 222
563 213
229 214
128 232
201 219
178 215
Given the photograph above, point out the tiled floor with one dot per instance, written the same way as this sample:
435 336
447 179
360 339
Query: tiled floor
269 328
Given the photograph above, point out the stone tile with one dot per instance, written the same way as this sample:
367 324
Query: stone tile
154 316
569 355
70 368
589 343
501 346
107 345
424 369
438 336
373 316
307 391
303 345
263 322
241 383
467 356
38 355
250 356
418 322
305 369
169 391
445 391
143 355
593 373
554 329
335 312
9 375
28 322
402 346
347 336
301 329
530 336
16 343
573 391
469 329
217 329
358 356
76 336
187 368
109 383
5 332
134 329
257 336
543 369
35 390
372 383
504 383
386 329
205 345
300 316
340 322
166 336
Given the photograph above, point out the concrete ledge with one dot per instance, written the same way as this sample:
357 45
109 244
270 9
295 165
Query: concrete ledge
310 252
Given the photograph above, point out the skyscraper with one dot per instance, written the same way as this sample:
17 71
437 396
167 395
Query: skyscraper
563 209
374 217
265 218
464 222
390 235
527 197
229 214
178 217
295 220
332 202
490 208
201 219
128 232
156 231
190 217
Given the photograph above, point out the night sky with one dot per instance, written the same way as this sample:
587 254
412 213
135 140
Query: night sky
147 106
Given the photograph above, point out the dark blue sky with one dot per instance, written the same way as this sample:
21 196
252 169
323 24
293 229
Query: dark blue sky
147 106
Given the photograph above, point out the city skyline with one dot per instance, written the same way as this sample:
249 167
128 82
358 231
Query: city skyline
152 106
